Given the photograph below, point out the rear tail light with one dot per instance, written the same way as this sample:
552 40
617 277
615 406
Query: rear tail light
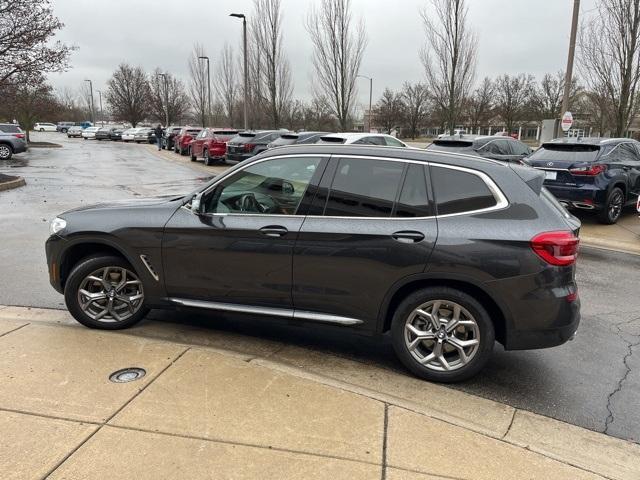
638 204
558 248
19 135
249 147
590 171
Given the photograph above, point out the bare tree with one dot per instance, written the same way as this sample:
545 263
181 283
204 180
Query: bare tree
480 104
27 28
547 100
449 57
338 48
609 57
226 82
169 97
71 106
597 107
274 73
416 103
128 94
513 95
389 110
198 85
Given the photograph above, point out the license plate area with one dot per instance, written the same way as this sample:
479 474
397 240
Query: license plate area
550 175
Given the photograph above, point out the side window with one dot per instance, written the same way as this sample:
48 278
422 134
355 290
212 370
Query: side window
364 188
457 191
414 200
272 187
392 142
373 140
492 147
520 148
627 153
505 147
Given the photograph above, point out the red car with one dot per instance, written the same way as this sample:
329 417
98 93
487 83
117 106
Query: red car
184 138
211 144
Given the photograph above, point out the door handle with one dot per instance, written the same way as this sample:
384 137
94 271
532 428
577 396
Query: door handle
274 231
408 236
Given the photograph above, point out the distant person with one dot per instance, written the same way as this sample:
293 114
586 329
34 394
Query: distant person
158 131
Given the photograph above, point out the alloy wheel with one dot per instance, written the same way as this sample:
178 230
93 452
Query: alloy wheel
615 205
442 335
110 294
5 152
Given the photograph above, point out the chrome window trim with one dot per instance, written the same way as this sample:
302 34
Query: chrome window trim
291 313
501 199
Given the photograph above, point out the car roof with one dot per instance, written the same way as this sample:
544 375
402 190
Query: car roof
355 135
590 140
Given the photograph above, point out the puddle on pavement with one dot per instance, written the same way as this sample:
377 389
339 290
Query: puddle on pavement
14 163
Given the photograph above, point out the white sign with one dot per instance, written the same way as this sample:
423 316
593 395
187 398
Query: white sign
567 121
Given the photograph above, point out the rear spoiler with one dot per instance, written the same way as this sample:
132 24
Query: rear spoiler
453 143
533 177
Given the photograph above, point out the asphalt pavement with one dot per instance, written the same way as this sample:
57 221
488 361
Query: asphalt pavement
593 381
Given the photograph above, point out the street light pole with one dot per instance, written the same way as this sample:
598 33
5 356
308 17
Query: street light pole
166 99
101 113
244 46
91 101
370 97
208 90
572 48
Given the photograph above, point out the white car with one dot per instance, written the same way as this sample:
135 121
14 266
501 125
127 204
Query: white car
89 132
456 132
379 139
45 127
129 134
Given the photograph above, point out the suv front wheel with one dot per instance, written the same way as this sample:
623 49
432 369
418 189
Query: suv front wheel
105 292
442 334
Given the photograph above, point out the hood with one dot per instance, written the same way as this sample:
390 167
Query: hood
129 203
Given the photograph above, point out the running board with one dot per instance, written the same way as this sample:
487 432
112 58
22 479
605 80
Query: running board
271 311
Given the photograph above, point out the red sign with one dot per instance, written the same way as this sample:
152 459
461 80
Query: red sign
567 121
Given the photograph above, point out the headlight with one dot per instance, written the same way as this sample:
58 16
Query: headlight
57 224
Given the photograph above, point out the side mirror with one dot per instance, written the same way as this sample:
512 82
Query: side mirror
196 204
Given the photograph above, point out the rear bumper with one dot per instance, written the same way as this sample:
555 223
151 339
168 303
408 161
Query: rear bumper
544 338
584 197
19 147
237 157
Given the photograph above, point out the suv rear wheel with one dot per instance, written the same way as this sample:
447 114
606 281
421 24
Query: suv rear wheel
105 292
613 208
442 334
5 151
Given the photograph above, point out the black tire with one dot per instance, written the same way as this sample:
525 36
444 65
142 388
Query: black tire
42 129
477 311
207 159
613 207
78 274
191 155
64 130
6 151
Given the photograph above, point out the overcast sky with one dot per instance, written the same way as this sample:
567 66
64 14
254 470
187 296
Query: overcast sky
514 36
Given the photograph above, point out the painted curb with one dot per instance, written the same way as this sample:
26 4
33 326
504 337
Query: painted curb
18 182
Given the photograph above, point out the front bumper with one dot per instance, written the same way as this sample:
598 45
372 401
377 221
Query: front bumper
53 249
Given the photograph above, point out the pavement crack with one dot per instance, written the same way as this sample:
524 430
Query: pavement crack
13 330
513 417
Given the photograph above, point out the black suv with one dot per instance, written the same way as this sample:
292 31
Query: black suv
446 252
247 144
596 174
501 148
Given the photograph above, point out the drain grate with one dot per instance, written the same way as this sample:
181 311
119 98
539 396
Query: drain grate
127 375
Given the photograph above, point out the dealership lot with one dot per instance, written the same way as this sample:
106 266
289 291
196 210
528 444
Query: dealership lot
591 382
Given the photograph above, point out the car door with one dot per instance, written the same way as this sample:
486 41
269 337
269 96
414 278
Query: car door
369 227
238 248
196 146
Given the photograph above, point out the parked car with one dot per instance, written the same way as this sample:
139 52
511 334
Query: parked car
211 144
247 144
75 131
594 174
379 139
12 140
430 247
104 133
169 135
498 148
297 139
448 133
116 134
63 127
44 127
129 134
182 140
144 135
90 133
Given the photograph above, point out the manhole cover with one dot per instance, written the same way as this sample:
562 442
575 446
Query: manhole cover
127 375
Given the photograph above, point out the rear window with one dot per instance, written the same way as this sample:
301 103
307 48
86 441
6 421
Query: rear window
569 153
450 145
457 191
226 133
10 129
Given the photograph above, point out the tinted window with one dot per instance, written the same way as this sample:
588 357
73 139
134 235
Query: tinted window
392 142
9 128
457 191
568 153
371 141
271 187
414 201
519 148
492 147
364 188
626 153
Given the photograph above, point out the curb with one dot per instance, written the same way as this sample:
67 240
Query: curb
610 245
11 184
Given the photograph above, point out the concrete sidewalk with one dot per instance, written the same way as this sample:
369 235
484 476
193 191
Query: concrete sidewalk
229 406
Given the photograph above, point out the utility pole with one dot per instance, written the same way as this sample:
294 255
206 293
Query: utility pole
208 91
93 120
572 48
244 46
166 99
370 97
101 114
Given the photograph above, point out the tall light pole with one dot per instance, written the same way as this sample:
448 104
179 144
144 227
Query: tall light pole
208 90
91 102
370 97
166 99
572 48
244 46
101 114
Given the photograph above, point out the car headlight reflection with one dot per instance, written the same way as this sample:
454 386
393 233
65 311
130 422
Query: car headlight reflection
57 224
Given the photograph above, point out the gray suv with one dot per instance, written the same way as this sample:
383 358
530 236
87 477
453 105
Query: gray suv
12 140
447 253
